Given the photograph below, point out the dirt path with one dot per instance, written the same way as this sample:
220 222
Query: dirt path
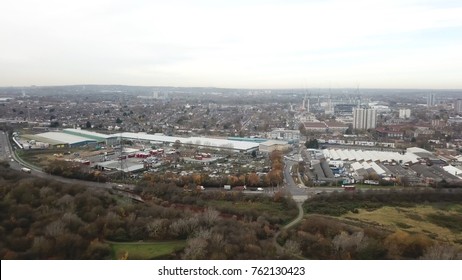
298 219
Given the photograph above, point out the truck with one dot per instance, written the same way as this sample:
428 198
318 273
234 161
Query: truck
26 170
349 187
227 187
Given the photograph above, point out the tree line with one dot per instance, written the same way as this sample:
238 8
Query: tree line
46 219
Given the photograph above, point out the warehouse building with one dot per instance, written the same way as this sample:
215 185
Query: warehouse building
272 145
98 137
214 143
61 140
78 137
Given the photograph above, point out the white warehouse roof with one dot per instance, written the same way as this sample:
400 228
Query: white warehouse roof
199 141
65 138
358 155
89 133
453 170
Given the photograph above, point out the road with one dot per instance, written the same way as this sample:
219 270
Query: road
16 163
6 151
302 193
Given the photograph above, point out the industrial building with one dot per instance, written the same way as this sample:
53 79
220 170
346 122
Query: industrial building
214 143
416 165
272 145
98 137
78 137
248 139
60 139
375 156
125 166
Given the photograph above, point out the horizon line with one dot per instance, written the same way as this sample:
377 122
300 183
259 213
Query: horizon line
235 88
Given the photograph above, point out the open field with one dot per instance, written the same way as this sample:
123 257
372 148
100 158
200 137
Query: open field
36 158
440 221
44 157
145 251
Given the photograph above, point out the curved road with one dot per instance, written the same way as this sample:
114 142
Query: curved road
7 153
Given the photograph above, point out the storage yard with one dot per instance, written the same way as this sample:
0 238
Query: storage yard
413 166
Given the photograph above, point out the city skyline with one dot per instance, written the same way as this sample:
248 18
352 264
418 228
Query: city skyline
243 44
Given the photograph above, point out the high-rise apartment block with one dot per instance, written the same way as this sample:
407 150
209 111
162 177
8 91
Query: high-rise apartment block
364 118
404 113
458 106
431 100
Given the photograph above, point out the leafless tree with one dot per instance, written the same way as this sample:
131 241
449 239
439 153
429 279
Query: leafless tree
66 201
55 229
185 226
442 252
41 245
292 247
210 216
349 242
45 192
157 228
196 249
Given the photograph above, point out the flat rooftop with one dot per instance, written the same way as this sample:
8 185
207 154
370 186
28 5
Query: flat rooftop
60 137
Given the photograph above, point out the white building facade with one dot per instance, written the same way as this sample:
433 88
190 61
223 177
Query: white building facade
404 113
364 118
458 106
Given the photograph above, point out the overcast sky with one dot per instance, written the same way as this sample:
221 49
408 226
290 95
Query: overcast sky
237 44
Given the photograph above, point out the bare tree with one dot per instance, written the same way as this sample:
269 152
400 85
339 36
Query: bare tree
45 192
42 246
185 226
196 249
66 201
55 229
292 247
210 216
158 228
349 242
442 252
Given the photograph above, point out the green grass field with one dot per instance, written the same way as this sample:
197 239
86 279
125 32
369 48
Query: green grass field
145 250
441 221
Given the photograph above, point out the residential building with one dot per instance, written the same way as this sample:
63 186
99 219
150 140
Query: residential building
458 106
431 100
404 113
335 126
284 134
315 126
390 132
364 118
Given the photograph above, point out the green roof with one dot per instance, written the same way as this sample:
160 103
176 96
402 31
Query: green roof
97 138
